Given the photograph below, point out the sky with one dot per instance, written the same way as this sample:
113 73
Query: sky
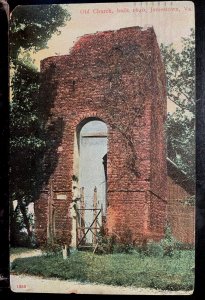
170 20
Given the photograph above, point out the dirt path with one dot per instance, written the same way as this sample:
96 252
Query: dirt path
29 284
33 284
25 254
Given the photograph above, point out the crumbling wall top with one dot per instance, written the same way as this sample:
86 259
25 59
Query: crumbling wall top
123 38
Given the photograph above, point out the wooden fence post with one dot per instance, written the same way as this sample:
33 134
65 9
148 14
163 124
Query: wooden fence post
94 216
82 213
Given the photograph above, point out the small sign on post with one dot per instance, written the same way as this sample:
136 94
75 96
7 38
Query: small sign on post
65 252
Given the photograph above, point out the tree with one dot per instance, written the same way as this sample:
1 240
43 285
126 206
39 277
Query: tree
30 29
180 72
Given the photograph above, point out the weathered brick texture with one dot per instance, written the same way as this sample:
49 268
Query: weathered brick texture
180 215
117 77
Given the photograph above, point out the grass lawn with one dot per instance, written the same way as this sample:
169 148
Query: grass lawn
135 269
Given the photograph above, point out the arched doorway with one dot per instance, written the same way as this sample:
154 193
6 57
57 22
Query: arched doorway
92 173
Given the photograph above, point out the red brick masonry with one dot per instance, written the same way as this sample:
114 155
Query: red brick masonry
117 77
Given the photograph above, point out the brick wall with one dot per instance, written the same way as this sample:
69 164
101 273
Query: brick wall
117 77
181 216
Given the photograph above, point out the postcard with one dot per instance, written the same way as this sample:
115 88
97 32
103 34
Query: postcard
102 167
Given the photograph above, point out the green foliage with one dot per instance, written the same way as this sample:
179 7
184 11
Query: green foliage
22 239
30 29
124 242
167 247
153 249
181 141
53 266
32 26
113 243
190 201
180 73
25 143
105 243
52 247
172 273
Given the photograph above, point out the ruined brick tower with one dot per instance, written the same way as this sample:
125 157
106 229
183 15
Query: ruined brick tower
116 77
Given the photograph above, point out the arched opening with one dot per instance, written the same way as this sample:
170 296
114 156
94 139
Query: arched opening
90 165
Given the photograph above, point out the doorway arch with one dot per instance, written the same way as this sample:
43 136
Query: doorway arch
90 165
92 168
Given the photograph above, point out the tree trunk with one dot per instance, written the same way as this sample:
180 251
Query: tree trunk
25 218
14 230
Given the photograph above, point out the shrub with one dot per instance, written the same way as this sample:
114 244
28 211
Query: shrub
125 243
114 243
23 240
105 242
168 243
122 248
154 249
184 246
168 246
52 247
